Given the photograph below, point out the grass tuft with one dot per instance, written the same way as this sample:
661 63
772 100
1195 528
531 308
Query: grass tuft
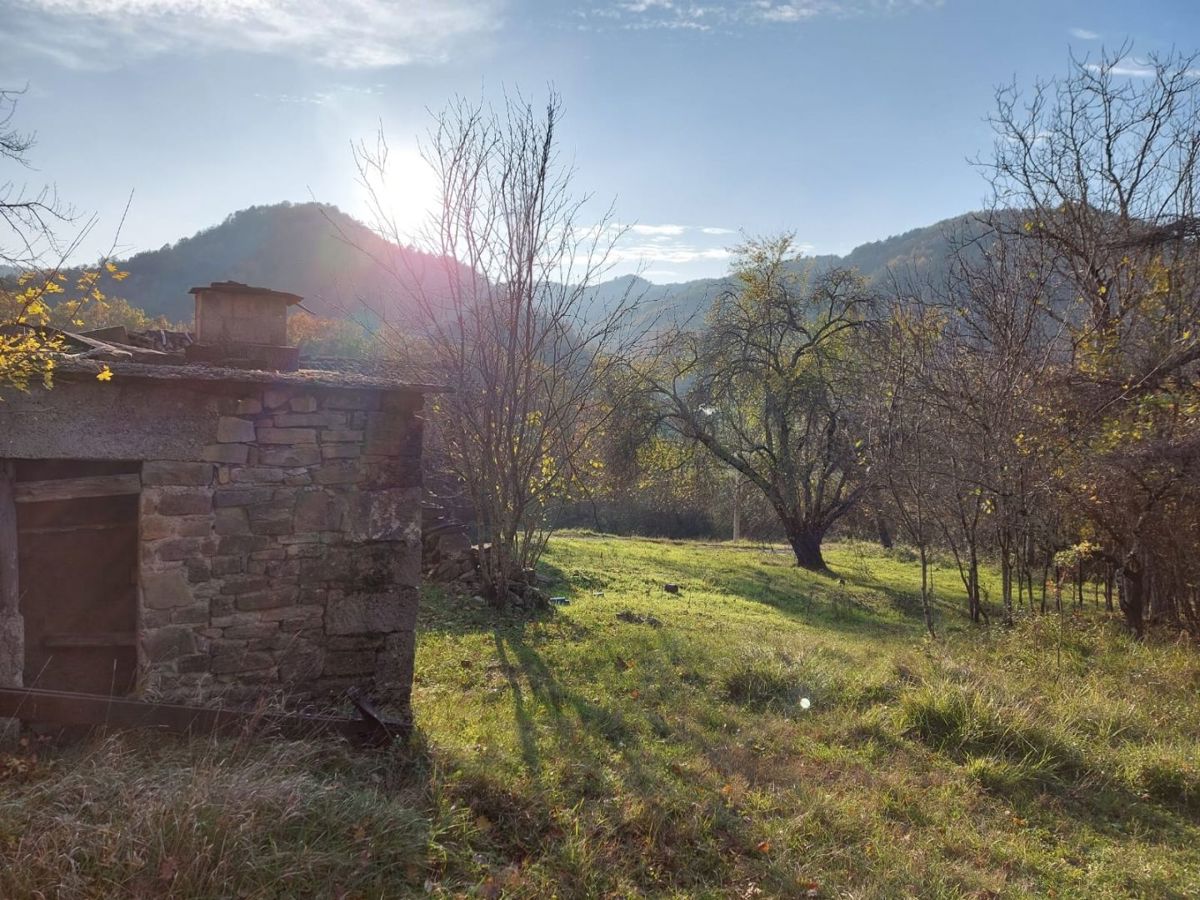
963 720
1168 774
764 683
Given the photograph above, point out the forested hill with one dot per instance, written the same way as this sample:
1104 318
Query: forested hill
317 251
311 249
924 253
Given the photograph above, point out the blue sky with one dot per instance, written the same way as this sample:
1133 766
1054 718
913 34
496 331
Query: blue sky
842 120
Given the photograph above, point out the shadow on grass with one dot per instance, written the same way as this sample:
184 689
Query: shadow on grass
571 717
444 612
1109 809
1038 770
591 754
823 601
811 598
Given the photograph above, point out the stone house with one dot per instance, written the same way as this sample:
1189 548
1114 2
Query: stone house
220 523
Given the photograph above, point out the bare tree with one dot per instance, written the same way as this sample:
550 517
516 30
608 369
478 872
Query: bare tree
30 217
768 388
511 321
1104 166
908 441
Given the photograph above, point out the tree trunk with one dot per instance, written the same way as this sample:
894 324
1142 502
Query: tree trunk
926 610
1045 578
883 532
737 510
1131 599
973 598
1006 578
806 544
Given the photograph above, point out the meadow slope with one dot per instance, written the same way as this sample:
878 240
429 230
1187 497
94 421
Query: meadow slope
765 732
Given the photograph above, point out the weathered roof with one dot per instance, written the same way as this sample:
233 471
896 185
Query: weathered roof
236 287
355 375
86 356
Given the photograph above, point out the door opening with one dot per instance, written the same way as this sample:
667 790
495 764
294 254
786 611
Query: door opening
77 544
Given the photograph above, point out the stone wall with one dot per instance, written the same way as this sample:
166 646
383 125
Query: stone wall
279 528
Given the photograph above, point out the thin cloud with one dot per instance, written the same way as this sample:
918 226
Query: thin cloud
658 230
673 254
729 14
711 230
350 34
803 10
317 98
1084 35
659 247
324 97
793 12
1133 71
1127 70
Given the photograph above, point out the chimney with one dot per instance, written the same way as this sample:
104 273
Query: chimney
243 327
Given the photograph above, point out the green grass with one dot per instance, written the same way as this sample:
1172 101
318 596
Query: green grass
670 753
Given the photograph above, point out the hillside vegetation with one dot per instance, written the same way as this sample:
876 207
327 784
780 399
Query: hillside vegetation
344 269
764 732
338 264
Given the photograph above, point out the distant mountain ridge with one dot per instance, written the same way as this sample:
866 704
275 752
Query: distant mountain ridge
925 252
333 261
315 250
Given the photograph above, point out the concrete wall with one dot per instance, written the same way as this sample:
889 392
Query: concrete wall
280 529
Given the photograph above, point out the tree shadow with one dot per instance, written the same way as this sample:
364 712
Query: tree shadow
829 602
847 601
586 752
570 716
444 612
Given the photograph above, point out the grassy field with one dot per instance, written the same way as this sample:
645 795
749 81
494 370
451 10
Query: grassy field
765 732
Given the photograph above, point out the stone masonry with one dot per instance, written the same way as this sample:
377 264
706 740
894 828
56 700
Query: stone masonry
280 532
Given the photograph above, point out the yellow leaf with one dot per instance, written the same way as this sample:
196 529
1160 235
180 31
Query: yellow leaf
104 374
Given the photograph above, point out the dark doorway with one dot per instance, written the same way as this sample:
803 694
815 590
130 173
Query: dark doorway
77 543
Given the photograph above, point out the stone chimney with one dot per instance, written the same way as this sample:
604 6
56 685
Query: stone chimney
243 327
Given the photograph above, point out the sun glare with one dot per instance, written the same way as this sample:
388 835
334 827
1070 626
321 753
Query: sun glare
408 192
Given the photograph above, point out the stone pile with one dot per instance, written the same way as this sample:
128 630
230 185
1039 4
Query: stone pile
448 557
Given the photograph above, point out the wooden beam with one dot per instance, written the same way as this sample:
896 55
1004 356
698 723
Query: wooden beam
70 708
77 488
89 639
9 593
12 652
75 529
